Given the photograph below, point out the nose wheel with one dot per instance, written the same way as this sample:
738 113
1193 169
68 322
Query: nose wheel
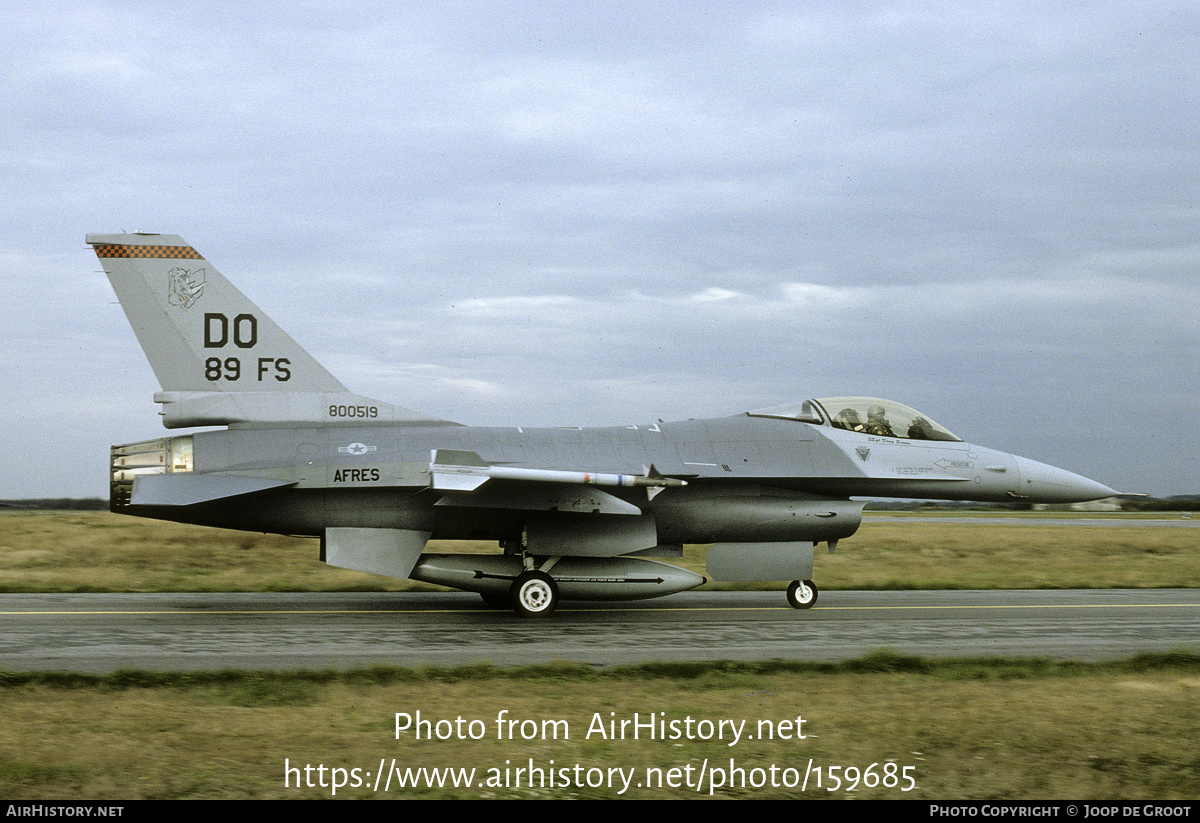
534 594
802 594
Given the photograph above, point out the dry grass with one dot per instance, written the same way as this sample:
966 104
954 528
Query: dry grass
934 555
98 551
1099 735
1092 736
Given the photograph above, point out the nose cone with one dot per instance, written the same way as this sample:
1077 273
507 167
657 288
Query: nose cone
1047 484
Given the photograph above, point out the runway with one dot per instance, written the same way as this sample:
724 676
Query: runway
100 633
1018 520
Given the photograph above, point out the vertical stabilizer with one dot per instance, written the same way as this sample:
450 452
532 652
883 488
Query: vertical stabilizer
199 332
219 358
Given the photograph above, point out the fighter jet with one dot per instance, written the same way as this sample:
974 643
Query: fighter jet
576 513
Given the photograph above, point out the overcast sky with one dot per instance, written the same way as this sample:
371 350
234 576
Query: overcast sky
605 213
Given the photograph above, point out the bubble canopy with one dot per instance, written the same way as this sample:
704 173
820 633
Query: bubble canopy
867 415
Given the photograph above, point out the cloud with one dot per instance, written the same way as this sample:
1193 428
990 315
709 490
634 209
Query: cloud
565 214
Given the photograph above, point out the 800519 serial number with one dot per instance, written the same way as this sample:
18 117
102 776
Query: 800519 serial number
362 412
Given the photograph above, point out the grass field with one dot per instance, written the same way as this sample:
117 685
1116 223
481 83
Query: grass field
960 729
982 729
99 551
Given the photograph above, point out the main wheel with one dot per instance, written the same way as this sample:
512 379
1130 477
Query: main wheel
802 594
534 594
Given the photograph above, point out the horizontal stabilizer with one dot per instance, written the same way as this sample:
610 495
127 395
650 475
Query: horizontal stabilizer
189 489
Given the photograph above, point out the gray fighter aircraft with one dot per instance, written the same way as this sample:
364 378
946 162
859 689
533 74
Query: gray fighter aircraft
576 512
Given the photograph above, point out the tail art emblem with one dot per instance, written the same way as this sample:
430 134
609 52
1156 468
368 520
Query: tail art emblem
863 452
184 287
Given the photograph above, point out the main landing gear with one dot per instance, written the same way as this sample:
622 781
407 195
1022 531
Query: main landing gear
802 594
534 594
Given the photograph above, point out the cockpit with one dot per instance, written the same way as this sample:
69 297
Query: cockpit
868 415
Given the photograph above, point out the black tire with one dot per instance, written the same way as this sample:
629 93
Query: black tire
802 595
534 594
496 601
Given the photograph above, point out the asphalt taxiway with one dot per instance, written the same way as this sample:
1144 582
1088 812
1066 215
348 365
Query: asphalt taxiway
104 632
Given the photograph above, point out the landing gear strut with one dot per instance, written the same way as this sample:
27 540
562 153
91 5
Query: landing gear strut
802 594
534 594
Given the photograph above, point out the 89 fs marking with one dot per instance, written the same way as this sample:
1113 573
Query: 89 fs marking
231 368
242 331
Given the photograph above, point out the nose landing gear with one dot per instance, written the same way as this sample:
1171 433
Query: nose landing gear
801 594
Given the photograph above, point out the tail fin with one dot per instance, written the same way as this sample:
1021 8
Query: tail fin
219 358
